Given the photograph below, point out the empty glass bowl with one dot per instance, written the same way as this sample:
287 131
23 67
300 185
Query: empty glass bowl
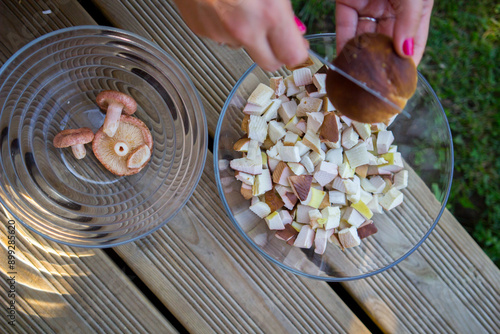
423 137
51 84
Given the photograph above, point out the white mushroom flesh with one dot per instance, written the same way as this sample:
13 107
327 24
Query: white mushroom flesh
139 157
121 148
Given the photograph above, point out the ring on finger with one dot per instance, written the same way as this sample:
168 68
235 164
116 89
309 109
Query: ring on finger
367 18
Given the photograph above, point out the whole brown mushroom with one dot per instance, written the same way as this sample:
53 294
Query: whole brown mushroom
124 153
76 139
114 103
372 59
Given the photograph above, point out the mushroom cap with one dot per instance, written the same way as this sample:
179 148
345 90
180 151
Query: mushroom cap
371 58
133 132
70 137
105 98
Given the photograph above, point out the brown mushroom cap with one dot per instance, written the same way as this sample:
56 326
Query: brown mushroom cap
371 58
131 131
71 137
107 97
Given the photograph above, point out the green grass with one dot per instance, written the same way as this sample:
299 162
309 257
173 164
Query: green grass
462 65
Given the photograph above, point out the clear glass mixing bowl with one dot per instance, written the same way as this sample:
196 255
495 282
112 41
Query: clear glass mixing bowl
423 137
50 85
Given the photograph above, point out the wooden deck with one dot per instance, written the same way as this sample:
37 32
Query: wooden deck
169 282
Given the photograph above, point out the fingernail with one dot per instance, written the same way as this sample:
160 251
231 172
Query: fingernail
408 46
300 25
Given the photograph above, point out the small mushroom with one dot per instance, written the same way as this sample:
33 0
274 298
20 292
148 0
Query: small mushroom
127 145
76 139
114 103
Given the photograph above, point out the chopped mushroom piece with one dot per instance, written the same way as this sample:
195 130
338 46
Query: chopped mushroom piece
274 221
287 110
401 179
278 85
262 183
384 141
261 209
329 130
321 239
288 234
273 200
348 237
305 237
309 104
114 103
286 217
74 138
261 95
246 191
301 185
253 109
139 157
325 172
302 76
391 199
131 132
366 229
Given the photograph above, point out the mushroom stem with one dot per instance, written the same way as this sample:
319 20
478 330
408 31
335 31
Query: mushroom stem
112 119
121 148
79 151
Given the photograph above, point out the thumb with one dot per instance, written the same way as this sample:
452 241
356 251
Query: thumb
408 16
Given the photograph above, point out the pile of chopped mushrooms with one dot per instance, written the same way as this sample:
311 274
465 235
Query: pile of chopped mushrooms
310 173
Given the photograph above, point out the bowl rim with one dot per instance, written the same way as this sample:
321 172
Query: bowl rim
280 264
188 82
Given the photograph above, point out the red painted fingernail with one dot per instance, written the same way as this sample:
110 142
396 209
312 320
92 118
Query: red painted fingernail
300 25
408 46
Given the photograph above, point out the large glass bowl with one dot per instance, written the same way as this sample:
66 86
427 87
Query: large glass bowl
424 139
50 85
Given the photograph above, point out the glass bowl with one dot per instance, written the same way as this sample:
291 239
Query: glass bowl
50 85
423 137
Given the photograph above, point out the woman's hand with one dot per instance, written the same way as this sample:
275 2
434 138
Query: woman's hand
266 29
406 21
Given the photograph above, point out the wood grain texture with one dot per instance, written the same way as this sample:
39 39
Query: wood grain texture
61 289
448 285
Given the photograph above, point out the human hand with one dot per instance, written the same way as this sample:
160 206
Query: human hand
406 21
266 29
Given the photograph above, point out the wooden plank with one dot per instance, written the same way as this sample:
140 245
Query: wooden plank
64 289
60 289
447 285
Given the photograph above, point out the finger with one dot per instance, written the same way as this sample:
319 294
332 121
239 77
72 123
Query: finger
347 21
422 32
263 55
287 42
365 25
386 26
408 18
